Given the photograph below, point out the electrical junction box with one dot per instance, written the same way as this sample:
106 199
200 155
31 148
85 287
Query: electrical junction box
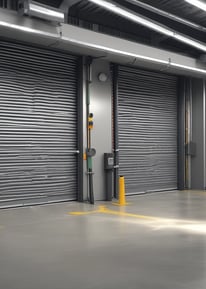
108 161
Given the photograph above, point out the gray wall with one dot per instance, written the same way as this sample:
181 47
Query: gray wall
101 106
198 134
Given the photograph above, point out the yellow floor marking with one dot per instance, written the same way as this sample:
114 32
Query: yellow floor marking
101 209
83 213
105 210
125 214
156 222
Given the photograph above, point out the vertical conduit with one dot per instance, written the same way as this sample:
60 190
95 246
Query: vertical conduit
182 136
204 140
80 129
115 130
89 147
188 131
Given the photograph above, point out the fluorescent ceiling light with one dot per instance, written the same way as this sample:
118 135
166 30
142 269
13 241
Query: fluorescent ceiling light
135 18
191 42
197 3
32 8
149 24
167 14
189 68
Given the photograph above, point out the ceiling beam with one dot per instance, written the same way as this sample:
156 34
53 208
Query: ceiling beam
85 42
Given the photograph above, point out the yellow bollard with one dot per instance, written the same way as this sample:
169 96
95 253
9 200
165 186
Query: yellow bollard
122 200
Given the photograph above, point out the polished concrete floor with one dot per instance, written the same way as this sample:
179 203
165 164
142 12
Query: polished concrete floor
156 242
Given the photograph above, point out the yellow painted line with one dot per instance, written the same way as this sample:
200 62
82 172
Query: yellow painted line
105 210
125 214
156 222
81 213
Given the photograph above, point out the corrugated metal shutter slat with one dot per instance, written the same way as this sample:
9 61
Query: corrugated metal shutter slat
38 125
147 129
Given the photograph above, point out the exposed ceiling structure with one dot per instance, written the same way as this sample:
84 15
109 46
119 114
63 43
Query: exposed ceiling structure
179 16
114 24
180 8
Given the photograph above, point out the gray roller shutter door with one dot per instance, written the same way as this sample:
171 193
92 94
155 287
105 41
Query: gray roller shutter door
38 125
147 119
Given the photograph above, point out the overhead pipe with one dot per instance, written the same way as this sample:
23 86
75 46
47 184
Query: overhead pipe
167 15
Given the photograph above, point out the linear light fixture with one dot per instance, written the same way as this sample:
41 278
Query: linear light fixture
197 3
167 14
188 68
36 9
115 8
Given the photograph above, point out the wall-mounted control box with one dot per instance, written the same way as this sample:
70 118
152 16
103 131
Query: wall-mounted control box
108 161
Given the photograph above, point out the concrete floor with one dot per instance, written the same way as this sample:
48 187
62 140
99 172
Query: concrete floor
45 247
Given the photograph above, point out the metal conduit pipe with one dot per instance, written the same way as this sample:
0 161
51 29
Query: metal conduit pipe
89 150
168 15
